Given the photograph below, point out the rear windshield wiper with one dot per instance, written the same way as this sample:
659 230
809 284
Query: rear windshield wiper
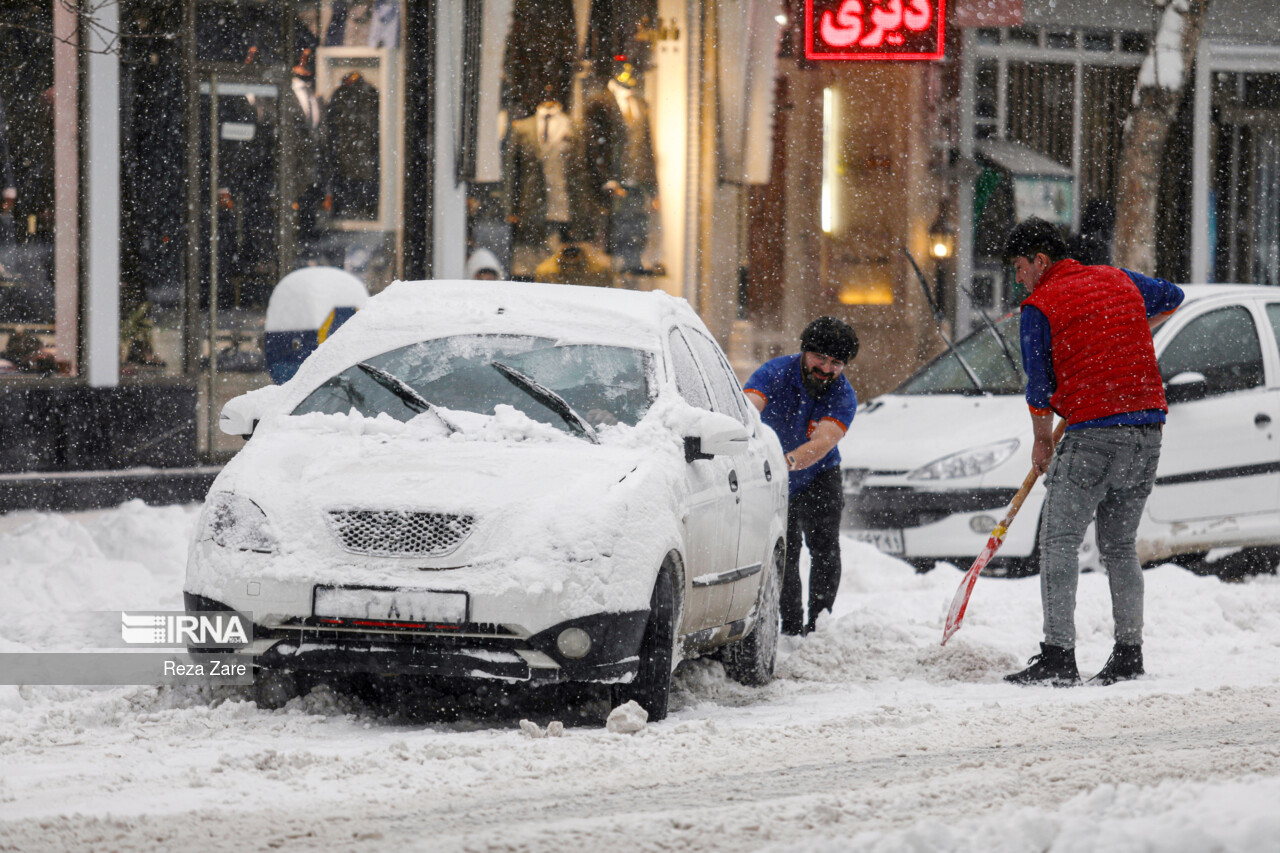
548 398
405 392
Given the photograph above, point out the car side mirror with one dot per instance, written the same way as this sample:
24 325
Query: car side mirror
713 434
239 417
1186 386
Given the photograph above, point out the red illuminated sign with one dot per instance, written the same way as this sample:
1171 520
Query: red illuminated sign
873 29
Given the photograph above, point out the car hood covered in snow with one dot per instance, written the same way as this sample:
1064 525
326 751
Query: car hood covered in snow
507 473
548 511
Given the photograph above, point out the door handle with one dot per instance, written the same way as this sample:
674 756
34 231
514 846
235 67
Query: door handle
1261 420
733 481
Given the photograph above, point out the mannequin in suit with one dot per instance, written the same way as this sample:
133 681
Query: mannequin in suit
546 176
305 112
620 157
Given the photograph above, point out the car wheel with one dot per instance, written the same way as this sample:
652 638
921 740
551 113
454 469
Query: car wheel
272 688
651 687
1245 563
922 566
750 660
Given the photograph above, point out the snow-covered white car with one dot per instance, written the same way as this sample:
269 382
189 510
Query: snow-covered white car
930 468
522 482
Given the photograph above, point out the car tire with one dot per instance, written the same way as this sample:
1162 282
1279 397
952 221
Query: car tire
750 660
1245 563
273 688
922 565
651 687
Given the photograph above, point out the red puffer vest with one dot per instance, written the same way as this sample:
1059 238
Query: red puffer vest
1101 348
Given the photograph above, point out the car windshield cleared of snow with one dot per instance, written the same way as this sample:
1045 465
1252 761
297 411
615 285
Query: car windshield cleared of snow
982 351
604 384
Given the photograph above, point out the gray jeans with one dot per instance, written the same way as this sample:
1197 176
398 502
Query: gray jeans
1107 471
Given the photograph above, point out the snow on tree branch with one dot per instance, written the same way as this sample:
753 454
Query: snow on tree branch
1164 66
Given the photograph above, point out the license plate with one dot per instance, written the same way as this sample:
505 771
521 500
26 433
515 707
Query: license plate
390 605
888 541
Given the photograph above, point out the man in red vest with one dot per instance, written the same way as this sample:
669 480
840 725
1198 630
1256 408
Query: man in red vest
1086 346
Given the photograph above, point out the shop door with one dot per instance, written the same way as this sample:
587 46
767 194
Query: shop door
1247 179
237 256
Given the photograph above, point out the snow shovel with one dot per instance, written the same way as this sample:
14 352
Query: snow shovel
961 600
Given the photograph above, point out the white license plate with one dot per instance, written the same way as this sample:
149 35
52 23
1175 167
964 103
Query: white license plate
888 541
390 605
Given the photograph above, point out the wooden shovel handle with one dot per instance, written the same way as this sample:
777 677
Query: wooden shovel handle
1032 476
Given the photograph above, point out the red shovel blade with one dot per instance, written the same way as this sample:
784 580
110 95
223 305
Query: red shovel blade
961 600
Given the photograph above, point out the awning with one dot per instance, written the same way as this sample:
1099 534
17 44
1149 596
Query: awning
1017 159
1042 187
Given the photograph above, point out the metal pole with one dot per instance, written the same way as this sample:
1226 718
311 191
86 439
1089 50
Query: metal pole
212 410
191 309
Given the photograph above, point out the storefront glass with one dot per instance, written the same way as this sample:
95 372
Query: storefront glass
29 343
1246 178
259 138
566 184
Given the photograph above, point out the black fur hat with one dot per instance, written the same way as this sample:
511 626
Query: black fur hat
1032 237
830 337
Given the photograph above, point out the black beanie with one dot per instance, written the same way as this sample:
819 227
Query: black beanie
830 337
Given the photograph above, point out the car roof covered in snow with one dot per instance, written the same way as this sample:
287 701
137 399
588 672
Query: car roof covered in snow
1196 292
410 311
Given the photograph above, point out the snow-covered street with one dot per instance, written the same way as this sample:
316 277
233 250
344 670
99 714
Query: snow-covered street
873 737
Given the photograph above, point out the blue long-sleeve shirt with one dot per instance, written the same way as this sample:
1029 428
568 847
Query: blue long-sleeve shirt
1159 296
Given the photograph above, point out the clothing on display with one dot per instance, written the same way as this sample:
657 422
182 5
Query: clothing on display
620 155
546 176
352 148
538 64
384 30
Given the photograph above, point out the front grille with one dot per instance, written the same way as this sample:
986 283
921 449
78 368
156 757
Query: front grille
399 533
877 507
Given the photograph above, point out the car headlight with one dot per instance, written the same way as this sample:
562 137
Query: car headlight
234 521
968 463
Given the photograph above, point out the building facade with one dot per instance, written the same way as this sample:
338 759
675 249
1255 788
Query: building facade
167 163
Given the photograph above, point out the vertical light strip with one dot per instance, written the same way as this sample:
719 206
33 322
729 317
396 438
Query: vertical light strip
102 206
449 225
829 149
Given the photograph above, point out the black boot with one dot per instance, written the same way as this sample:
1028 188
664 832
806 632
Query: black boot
1125 663
1054 665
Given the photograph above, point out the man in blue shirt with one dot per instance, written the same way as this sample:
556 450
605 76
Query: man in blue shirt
807 401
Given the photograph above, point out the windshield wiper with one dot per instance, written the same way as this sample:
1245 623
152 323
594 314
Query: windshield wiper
937 323
548 398
405 392
1004 346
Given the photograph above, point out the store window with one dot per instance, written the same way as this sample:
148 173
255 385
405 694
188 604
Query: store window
29 341
572 189
1246 178
280 148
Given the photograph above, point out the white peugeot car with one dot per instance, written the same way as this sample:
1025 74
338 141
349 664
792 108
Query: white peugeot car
522 482
930 468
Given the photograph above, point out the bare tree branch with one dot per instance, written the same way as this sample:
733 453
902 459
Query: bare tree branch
90 36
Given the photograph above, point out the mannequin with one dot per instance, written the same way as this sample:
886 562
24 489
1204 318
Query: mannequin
546 176
620 154
351 148
305 112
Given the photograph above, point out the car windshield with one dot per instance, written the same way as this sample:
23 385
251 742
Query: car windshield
604 384
983 353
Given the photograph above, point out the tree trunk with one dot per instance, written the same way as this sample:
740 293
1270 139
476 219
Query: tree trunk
1156 104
